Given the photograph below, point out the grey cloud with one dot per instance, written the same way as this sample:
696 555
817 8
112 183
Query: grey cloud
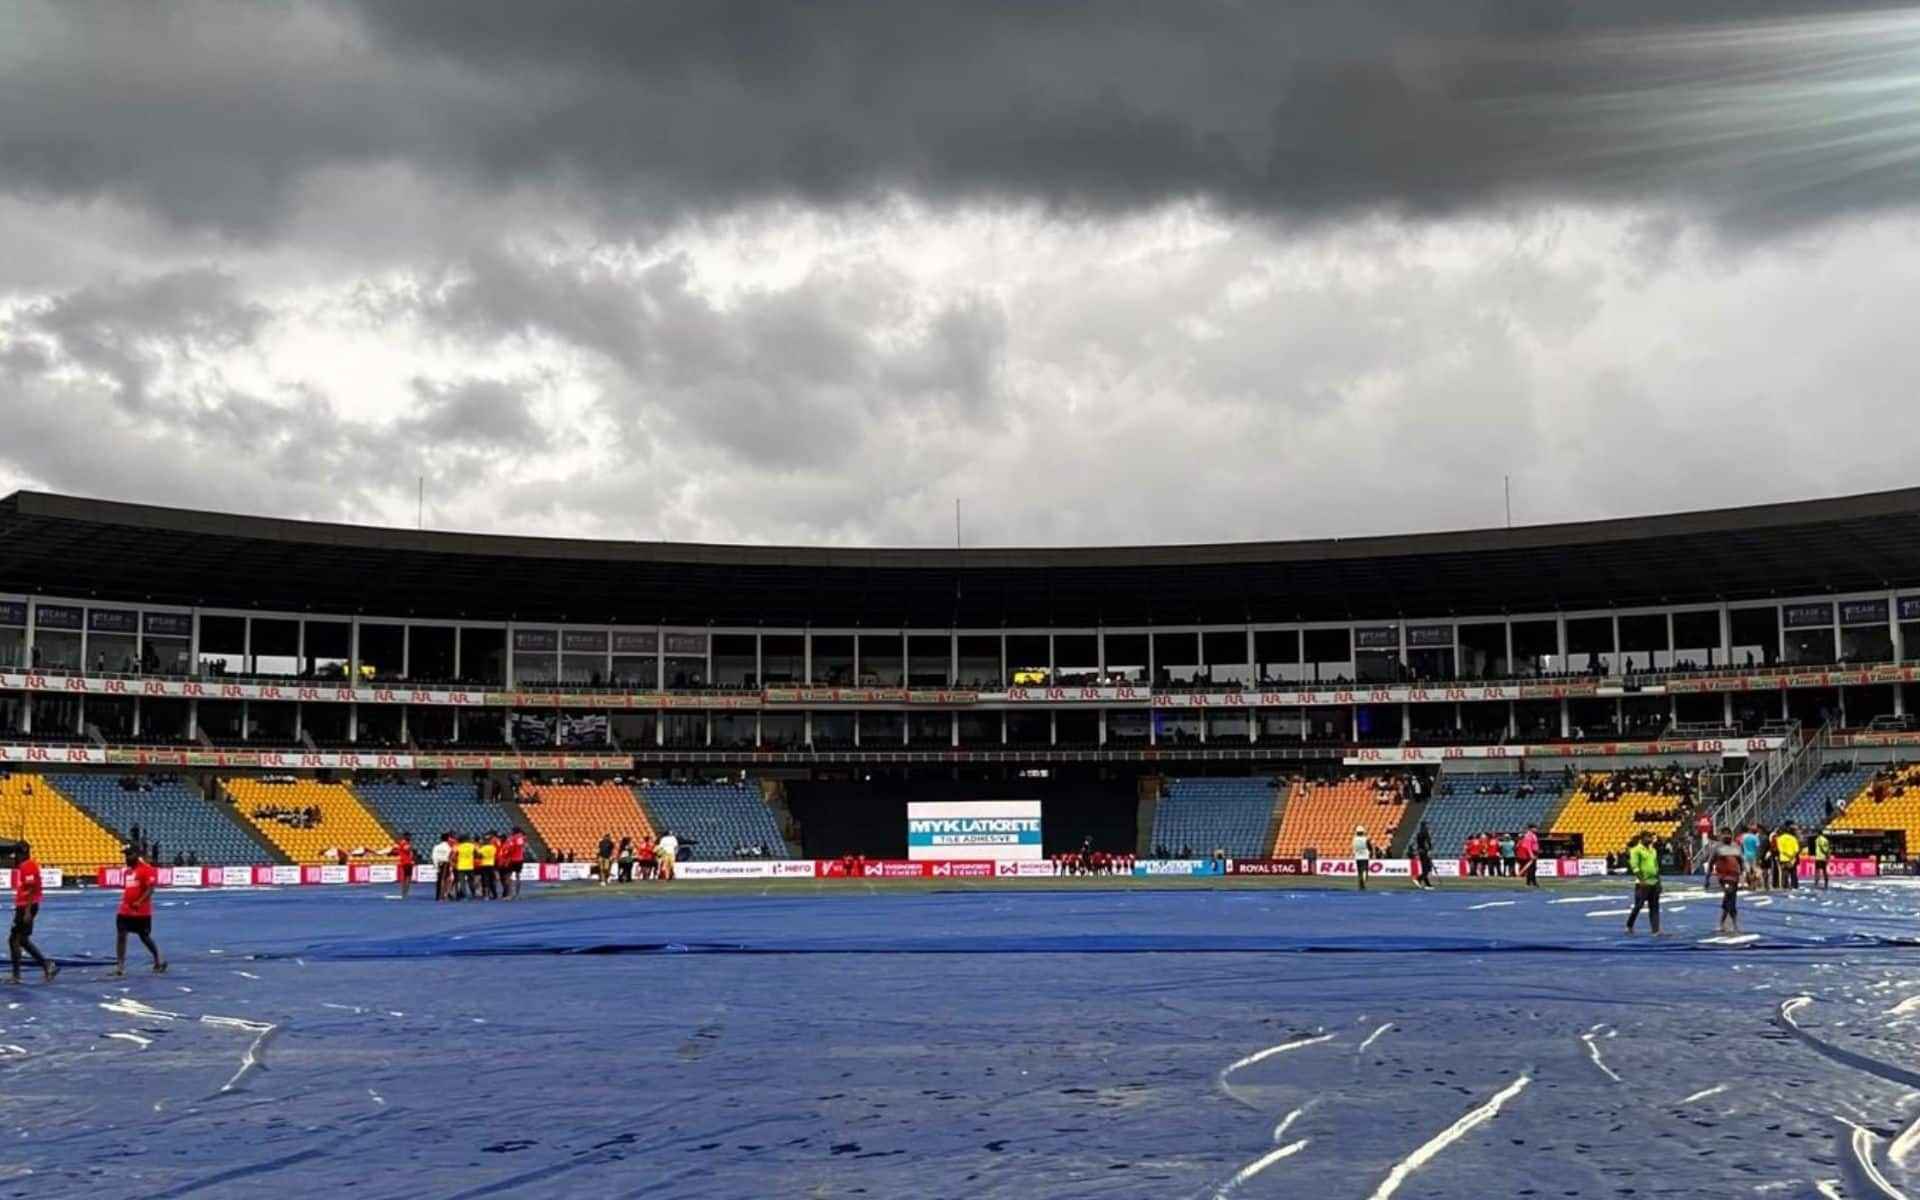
476 413
799 376
1756 112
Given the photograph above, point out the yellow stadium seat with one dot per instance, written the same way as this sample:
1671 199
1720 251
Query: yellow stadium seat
1607 826
62 835
1899 810
344 822
1324 815
573 817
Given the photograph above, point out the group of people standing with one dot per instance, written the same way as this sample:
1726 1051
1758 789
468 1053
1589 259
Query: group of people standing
643 858
468 867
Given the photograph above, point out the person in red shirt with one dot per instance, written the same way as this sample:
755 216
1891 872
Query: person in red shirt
136 913
403 866
26 906
513 852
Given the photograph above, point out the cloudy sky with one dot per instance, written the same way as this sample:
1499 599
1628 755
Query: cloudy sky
1105 272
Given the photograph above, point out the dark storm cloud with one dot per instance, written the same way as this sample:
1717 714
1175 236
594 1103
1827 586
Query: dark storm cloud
1757 111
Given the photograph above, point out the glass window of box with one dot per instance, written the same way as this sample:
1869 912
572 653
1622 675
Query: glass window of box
483 656
1483 651
275 645
980 665
1076 659
223 646
881 661
784 659
1277 651
1329 655
929 660
1644 644
1696 641
1590 648
1126 658
1756 636
430 654
736 660
832 660
1224 654
1176 659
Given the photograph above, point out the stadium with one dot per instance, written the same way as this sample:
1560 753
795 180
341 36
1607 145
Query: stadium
992 862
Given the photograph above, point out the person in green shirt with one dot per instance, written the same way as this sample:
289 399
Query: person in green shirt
1822 851
1643 861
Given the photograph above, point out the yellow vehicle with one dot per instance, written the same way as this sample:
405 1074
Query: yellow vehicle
1030 677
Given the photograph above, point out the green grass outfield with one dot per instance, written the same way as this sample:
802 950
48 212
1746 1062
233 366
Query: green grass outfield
1130 883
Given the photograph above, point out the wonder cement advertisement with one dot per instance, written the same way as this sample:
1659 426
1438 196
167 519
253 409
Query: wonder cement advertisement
974 829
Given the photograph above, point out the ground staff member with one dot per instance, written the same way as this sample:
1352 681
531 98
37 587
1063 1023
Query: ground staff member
27 892
1822 851
1788 848
1644 863
136 913
1362 855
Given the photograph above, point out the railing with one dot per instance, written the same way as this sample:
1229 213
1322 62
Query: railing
1771 784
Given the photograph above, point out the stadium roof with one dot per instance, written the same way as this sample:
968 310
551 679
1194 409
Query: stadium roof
67 546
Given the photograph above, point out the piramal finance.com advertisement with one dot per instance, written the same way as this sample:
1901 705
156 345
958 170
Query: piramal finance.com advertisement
974 829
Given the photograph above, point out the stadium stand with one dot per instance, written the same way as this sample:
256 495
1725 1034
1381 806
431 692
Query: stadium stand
1890 799
1203 815
180 819
1323 815
63 835
1608 808
428 812
1827 795
572 817
1490 802
714 817
344 823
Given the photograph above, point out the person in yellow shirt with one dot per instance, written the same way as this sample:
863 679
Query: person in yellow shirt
489 854
1788 846
463 864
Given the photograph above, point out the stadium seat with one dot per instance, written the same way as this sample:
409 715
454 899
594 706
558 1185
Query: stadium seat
180 819
1606 826
344 822
1323 816
1460 810
1824 793
429 812
714 817
1899 810
63 835
1208 814
572 817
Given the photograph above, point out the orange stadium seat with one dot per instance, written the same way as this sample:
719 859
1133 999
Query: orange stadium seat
573 817
344 822
1606 826
1323 816
62 835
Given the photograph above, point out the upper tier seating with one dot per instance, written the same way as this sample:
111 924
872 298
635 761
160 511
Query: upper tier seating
62 834
175 816
571 818
1490 802
1323 815
344 823
449 805
1202 815
714 817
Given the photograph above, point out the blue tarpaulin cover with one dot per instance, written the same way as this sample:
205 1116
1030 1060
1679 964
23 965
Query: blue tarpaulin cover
1071 1042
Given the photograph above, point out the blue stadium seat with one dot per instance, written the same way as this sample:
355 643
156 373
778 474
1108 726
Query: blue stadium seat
1458 810
1205 814
174 815
1809 809
716 817
428 812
